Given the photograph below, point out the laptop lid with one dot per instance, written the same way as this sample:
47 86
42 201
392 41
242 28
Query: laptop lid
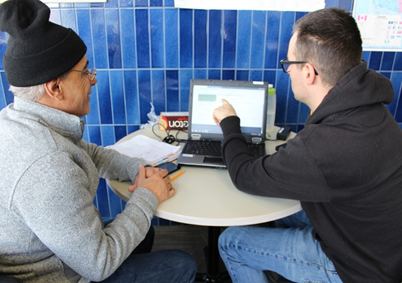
249 98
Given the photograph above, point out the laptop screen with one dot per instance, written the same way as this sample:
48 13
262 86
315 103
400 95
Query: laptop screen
248 99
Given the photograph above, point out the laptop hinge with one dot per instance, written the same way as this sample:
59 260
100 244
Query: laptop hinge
195 136
256 140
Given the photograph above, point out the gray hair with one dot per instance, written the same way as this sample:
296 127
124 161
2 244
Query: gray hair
33 93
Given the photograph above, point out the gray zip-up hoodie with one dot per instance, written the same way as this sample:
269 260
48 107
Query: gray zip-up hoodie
49 178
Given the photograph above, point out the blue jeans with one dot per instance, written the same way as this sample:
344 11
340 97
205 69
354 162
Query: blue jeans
165 266
289 249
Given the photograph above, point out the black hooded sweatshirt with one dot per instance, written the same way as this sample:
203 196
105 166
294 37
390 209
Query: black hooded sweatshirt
345 167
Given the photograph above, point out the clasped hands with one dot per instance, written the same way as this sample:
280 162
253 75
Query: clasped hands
156 180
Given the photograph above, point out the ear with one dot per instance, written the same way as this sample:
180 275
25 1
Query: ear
53 89
309 73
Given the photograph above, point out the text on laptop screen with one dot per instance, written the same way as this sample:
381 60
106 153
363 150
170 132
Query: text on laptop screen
247 102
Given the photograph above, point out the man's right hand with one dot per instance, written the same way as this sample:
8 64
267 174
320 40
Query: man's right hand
159 184
223 111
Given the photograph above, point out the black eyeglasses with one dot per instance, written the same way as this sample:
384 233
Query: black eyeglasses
285 65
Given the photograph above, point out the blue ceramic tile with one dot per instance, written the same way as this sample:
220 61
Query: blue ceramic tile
242 75
396 79
398 115
398 62
228 75
141 3
156 3
84 31
3 47
255 75
113 38
131 94
169 3
142 37
94 135
132 129
200 39
97 5
126 3
200 73
82 5
9 97
114 204
117 94
119 132
172 90
366 56
331 3
185 77
270 77
171 38
258 39
375 60
282 88
112 4
293 109
144 88
387 61
68 19
346 4
103 199
287 23
104 97
157 51
229 38
214 74
93 116
243 39
304 113
300 15
55 16
85 135
272 41
107 133
158 91
2 96
99 38
128 38
215 39
186 39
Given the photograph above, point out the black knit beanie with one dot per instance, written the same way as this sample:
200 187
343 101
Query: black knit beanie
37 50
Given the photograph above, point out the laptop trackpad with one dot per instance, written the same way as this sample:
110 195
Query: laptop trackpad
214 160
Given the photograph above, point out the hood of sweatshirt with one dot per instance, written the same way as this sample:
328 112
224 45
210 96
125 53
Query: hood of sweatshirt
359 87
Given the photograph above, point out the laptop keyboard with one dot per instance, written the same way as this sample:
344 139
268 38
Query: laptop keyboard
203 147
213 148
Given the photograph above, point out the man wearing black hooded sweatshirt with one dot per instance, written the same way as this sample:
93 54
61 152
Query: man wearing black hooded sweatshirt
345 167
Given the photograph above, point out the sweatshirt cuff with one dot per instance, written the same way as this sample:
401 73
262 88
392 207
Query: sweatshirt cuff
230 125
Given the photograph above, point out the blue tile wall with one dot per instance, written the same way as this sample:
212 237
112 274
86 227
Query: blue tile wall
147 51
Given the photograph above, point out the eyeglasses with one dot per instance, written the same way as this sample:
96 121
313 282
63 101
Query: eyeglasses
285 65
91 73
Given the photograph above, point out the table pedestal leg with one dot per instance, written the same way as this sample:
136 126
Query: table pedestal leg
212 259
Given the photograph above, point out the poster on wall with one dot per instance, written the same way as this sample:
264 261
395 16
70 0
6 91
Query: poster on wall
380 24
272 5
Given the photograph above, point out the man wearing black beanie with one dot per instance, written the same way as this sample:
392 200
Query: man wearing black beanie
50 229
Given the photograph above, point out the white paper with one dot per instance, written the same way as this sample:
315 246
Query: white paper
272 5
152 151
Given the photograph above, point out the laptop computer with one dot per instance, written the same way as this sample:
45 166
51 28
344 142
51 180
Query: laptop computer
249 98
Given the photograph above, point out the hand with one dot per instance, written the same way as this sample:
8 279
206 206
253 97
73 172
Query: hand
223 111
149 171
158 183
